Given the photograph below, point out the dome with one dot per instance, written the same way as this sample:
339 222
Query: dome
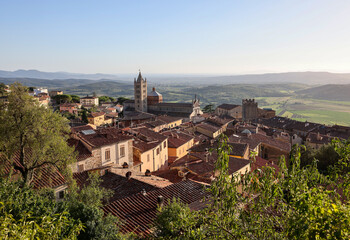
154 93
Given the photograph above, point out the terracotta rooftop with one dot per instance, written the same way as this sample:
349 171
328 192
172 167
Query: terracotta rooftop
146 139
318 138
203 164
134 115
96 114
228 106
259 163
103 136
238 149
120 185
139 211
208 127
81 128
48 177
255 139
45 177
176 105
168 119
177 138
82 151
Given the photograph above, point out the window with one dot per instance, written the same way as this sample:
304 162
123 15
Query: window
157 151
122 151
107 154
164 144
61 194
160 147
147 157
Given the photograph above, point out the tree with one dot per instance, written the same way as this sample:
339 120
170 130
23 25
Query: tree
84 117
208 108
293 203
106 99
64 98
33 133
2 89
28 214
85 205
75 98
121 100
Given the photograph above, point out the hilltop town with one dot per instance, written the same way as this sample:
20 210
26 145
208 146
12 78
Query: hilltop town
147 151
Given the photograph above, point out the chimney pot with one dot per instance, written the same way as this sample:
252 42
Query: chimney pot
128 175
160 200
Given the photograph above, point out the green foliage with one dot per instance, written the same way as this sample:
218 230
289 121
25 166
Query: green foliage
292 203
75 98
2 89
69 115
64 98
85 205
35 133
25 214
208 108
177 221
106 99
84 117
326 157
121 100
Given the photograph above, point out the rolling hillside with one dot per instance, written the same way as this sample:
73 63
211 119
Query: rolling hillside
109 88
334 92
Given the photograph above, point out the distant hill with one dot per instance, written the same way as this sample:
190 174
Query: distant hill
335 92
51 84
109 88
289 77
319 78
53 75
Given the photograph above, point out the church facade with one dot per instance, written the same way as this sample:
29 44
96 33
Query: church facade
153 102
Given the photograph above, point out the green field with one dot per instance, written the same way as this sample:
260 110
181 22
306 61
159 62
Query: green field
312 110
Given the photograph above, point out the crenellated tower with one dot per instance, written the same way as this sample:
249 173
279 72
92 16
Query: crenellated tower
249 109
140 93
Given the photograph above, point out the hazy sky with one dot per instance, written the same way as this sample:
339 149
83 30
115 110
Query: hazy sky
178 36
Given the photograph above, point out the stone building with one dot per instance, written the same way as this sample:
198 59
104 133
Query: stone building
101 147
185 110
140 93
249 109
89 101
150 149
154 97
231 110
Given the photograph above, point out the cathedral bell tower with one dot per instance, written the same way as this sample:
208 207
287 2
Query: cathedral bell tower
140 93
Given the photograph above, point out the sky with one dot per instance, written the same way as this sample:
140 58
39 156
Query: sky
175 37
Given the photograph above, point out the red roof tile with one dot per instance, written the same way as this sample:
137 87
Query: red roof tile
139 211
103 136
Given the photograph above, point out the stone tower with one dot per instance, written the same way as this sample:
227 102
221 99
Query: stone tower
249 110
140 93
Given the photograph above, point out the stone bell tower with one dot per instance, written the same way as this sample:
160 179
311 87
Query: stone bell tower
140 93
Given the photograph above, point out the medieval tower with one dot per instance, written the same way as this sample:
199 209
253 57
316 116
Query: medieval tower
140 93
249 109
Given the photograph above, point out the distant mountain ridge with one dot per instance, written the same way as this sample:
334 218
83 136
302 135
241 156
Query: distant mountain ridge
53 75
311 78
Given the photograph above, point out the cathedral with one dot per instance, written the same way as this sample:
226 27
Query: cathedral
153 103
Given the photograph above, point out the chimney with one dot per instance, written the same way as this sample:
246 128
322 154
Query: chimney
128 175
160 201
153 89
206 155
143 192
